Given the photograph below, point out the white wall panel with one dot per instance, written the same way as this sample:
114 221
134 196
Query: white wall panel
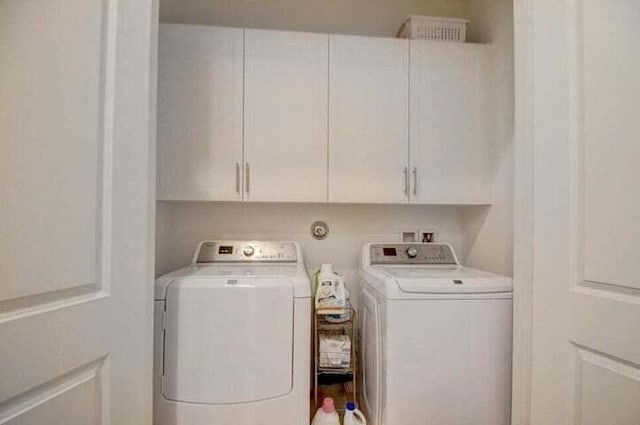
489 231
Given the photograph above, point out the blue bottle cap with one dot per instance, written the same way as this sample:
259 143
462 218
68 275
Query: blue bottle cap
351 406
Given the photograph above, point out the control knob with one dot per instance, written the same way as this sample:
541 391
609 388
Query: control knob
412 252
248 251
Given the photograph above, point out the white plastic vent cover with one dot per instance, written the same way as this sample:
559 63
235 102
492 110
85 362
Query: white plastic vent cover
228 340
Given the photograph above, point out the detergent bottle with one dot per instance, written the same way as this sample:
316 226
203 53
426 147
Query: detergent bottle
331 294
353 416
326 415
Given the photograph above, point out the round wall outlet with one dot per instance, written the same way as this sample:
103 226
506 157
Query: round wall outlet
319 230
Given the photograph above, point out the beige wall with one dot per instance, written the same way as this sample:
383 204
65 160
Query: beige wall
489 231
363 17
181 225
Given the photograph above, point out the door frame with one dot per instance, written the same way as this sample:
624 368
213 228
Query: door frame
523 212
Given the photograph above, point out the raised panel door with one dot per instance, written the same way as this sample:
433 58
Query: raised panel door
586 267
76 183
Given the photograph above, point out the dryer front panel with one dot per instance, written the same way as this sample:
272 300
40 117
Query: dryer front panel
228 340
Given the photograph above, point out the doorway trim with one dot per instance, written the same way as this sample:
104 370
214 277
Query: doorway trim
523 212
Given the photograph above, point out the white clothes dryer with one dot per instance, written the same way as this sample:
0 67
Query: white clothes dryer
436 338
232 337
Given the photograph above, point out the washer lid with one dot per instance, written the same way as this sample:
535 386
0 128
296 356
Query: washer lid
447 280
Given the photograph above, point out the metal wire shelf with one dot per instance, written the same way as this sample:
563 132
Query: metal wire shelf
344 376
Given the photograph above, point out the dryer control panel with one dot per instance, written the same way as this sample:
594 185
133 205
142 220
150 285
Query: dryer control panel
246 252
412 253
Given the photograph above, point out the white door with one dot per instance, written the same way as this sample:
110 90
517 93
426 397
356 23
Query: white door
285 109
448 149
76 170
368 119
200 113
586 212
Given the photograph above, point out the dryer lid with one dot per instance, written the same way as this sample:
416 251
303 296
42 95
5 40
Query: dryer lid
447 280
261 270
294 274
228 340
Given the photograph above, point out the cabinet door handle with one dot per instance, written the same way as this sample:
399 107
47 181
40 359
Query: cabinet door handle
247 180
415 181
237 178
406 181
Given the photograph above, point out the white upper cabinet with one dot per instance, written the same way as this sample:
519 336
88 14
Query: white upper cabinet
275 116
200 113
368 119
449 152
285 106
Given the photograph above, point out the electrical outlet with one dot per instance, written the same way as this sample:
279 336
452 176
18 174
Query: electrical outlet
426 235
408 236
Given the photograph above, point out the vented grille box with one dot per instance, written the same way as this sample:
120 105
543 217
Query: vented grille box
418 27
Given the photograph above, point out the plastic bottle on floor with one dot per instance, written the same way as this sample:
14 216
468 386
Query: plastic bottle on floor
326 415
353 416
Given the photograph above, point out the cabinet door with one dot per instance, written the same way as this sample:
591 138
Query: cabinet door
448 151
199 113
368 119
285 116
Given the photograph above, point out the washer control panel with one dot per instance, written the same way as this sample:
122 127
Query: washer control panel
246 251
412 253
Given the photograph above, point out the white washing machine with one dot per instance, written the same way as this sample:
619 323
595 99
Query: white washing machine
436 338
232 337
